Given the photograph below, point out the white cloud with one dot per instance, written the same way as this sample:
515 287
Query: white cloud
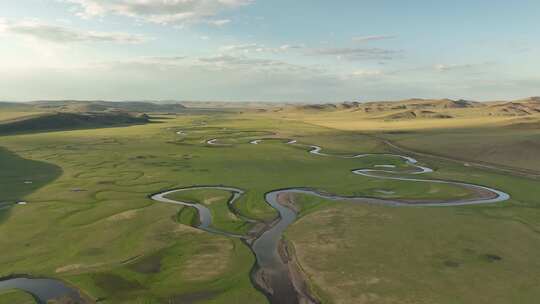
239 64
366 73
363 75
372 38
245 63
219 22
246 47
254 47
162 63
452 67
162 59
61 34
160 11
288 47
355 54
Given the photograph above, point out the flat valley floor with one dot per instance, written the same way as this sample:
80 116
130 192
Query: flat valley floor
87 219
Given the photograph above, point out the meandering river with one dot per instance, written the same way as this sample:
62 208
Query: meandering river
273 274
43 290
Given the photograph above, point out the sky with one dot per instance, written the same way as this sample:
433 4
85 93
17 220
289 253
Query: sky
269 50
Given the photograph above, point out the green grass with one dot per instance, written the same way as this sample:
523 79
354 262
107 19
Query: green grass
19 177
216 200
473 134
15 297
188 216
510 147
95 227
480 254
186 268
418 255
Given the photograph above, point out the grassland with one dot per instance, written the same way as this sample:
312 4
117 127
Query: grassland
217 201
514 147
9 116
19 177
500 134
372 254
15 296
93 225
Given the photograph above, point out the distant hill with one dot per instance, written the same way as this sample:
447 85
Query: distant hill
321 107
69 121
107 106
6 107
521 107
418 104
250 105
380 106
12 105
428 108
417 114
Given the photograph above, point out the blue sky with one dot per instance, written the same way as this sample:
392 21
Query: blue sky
268 50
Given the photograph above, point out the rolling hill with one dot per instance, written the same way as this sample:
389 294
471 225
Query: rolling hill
107 106
69 121
524 107
416 108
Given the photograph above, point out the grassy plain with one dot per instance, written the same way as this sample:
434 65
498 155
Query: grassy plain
513 146
477 254
15 297
473 134
95 227
217 201
373 254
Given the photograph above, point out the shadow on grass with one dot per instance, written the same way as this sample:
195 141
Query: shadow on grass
20 177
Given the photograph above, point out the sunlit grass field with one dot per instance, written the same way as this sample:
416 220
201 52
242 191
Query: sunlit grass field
9 116
471 135
90 222
512 147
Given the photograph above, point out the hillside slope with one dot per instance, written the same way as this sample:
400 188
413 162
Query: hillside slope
107 106
69 121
